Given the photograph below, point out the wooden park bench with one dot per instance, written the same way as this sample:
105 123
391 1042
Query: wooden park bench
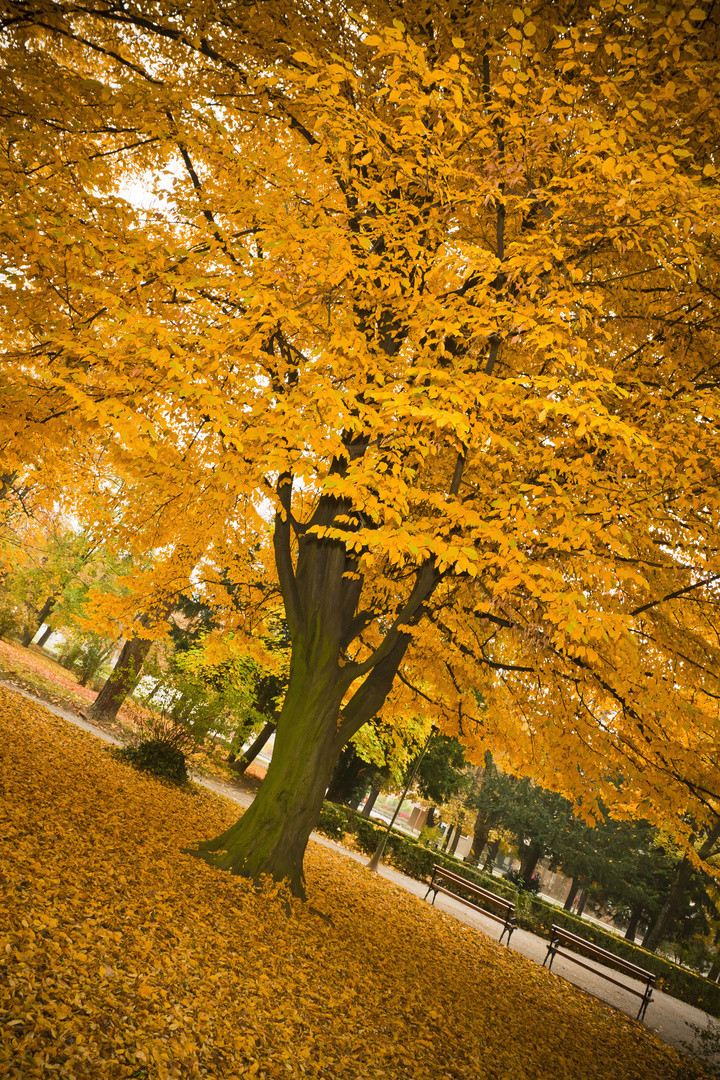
562 941
479 897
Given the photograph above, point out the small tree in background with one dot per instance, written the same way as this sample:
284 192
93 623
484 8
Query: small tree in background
85 653
188 699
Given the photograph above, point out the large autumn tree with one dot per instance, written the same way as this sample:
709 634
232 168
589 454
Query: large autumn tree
433 288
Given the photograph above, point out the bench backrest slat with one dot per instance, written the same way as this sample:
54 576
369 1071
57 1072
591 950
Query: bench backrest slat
561 934
477 890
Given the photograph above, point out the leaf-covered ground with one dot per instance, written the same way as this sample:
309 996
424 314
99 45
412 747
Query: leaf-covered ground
122 957
43 677
38 674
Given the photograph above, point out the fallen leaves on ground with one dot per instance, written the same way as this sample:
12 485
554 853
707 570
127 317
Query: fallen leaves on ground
43 677
123 958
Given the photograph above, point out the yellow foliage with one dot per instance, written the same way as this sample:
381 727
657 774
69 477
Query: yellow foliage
440 297
123 957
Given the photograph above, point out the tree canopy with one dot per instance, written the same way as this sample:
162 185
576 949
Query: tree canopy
435 290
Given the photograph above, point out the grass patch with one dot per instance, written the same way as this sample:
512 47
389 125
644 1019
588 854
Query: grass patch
123 957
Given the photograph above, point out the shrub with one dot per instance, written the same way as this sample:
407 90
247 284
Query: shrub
156 757
332 821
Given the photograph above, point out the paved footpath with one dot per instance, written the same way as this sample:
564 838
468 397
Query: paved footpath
671 1020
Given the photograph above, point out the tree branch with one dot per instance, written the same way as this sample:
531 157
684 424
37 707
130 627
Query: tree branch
674 595
283 556
371 694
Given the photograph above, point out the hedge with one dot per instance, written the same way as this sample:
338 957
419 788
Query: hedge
532 913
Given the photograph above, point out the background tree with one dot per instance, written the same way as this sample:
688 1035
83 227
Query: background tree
706 849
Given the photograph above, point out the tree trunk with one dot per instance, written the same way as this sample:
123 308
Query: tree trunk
635 916
44 636
458 834
481 835
42 615
569 899
123 678
239 765
271 836
581 903
372 798
492 851
658 931
321 587
660 927
347 777
530 860
448 836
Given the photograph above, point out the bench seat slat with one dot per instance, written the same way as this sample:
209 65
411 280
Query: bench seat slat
466 884
476 890
563 943
490 914
588 967
595 950
439 874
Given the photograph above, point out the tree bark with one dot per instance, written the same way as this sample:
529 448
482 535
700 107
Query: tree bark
42 615
44 636
321 588
458 834
635 916
348 777
123 678
530 860
239 765
492 851
481 835
372 798
569 899
581 903
659 930
271 836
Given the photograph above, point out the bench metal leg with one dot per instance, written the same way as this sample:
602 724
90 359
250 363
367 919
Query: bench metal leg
432 890
644 1004
551 954
506 930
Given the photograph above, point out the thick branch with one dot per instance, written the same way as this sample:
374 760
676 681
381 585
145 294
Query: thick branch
283 556
425 582
371 694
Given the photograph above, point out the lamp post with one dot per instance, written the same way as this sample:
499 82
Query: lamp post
375 861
